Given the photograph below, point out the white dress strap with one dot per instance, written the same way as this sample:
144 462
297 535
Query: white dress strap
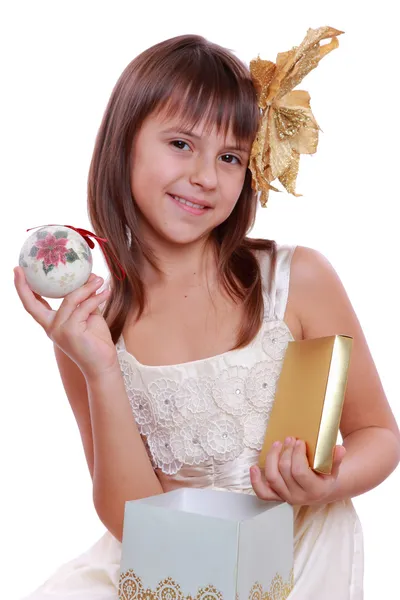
276 293
120 345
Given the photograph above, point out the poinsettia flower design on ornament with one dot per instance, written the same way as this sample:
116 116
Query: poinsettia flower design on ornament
51 249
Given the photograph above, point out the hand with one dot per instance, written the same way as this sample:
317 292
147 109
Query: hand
77 327
287 476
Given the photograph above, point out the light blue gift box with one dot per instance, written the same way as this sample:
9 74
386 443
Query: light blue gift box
206 544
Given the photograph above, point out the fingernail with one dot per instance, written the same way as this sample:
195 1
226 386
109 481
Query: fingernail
288 441
276 444
253 471
298 443
98 280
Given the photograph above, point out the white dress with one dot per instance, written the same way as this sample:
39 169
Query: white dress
204 423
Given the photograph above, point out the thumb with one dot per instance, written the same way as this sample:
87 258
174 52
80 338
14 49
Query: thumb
338 456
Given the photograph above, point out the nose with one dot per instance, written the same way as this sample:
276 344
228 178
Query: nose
204 172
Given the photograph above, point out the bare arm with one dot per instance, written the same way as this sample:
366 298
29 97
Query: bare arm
117 459
89 368
368 427
76 390
122 468
318 306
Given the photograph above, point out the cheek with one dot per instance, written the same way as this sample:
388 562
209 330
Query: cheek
154 171
232 185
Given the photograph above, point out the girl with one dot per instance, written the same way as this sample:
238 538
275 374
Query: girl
172 384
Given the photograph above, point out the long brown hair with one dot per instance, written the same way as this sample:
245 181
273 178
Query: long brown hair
199 80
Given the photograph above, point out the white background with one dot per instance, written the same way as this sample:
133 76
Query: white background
59 62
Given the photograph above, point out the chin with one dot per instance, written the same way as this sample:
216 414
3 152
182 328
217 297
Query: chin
181 239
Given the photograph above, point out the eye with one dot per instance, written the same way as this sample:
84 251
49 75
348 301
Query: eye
231 159
180 144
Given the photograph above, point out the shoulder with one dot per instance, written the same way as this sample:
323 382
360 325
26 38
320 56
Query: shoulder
310 267
318 297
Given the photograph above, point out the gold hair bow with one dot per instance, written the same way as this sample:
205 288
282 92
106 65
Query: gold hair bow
288 127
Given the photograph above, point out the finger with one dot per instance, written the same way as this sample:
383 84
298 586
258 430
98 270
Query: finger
285 464
75 298
301 472
42 301
285 458
100 310
88 307
38 308
338 456
261 487
272 473
92 277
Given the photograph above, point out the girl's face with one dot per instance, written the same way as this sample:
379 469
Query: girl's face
185 183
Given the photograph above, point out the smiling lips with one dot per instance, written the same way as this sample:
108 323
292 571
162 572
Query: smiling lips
195 208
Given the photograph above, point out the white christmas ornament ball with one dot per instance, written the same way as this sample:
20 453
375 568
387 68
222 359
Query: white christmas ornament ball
57 260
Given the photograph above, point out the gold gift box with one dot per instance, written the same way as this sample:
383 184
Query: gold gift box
309 398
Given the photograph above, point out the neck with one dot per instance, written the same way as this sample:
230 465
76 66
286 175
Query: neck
190 263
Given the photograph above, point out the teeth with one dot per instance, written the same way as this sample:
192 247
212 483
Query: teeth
188 203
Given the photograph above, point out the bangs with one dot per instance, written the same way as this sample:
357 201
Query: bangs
208 87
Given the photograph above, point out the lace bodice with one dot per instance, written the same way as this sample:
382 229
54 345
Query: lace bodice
205 420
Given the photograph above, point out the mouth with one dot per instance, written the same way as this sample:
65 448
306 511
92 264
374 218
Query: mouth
196 208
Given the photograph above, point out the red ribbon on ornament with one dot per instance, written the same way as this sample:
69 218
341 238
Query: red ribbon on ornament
87 235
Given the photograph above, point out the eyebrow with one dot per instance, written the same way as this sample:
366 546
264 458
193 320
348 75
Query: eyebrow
190 133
